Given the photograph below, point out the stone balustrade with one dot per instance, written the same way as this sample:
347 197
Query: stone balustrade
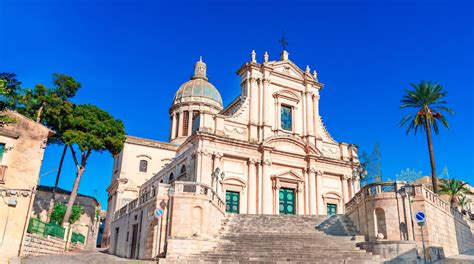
181 187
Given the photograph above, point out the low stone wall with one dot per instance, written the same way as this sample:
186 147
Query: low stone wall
36 245
381 212
192 216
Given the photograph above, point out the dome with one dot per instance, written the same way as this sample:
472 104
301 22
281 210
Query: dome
198 87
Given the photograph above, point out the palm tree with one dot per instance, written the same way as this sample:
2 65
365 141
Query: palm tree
455 189
427 100
464 201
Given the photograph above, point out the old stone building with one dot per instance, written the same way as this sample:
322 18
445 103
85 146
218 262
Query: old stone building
88 223
22 145
267 152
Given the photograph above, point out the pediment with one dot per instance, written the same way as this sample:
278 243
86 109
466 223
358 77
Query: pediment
234 181
288 68
290 144
288 175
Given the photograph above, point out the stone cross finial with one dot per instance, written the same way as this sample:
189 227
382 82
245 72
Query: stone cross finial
253 56
265 57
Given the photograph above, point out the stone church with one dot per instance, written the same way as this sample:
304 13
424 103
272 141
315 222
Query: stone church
267 152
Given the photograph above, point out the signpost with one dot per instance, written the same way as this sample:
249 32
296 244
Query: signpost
158 215
420 219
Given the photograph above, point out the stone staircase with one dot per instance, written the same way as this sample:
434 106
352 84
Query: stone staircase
284 239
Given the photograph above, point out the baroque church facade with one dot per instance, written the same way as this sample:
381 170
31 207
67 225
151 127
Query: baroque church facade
267 152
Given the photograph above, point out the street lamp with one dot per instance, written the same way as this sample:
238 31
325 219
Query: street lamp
216 175
406 191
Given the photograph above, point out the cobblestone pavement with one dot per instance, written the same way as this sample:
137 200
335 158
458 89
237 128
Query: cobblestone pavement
80 257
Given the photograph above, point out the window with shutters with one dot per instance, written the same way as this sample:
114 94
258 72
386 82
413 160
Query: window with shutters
143 166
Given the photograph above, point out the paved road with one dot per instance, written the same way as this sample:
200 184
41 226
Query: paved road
80 257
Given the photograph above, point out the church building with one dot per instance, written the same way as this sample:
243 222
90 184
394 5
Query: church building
267 152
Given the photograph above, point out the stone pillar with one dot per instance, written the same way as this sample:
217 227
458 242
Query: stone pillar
180 124
198 164
252 187
300 196
319 193
309 113
306 191
259 187
254 95
345 191
190 122
267 107
266 188
316 114
173 127
312 191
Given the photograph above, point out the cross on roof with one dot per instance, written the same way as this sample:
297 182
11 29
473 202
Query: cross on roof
283 42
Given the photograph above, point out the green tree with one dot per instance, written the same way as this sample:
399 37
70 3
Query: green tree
427 100
90 129
59 210
51 107
9 87
455 189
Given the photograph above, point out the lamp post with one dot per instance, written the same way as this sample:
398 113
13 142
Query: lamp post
406 191
216 175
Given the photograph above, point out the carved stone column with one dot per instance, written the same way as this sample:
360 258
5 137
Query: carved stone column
254 109
266 188
198 165
173 127
252 187
190 122
345 192
267 108
312 191
179 124
300 199
319 193
306 190
258 164
309 113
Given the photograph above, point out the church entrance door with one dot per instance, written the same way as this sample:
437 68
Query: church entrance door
332 209
232 200
287 201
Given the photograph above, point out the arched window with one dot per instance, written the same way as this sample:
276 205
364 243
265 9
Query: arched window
171 178
182 173
143 166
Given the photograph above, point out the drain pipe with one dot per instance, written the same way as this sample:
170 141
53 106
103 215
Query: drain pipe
27 219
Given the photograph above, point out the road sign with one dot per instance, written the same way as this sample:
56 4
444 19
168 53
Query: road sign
420 217
158 213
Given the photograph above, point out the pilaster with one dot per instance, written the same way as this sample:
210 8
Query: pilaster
319 193
252 187
266 187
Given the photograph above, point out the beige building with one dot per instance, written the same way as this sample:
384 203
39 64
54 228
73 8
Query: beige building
22 147
269 149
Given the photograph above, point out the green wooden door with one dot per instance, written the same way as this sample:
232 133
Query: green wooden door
232 202
332 209
287 201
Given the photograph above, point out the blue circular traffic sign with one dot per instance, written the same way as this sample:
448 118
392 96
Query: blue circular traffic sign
420 216
158 213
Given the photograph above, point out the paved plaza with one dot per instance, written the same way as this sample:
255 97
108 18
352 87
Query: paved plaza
79 257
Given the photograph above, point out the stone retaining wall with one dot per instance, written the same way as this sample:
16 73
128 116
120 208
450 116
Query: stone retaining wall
381 212
36 245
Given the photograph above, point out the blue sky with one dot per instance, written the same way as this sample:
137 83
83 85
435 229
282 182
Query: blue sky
132 56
